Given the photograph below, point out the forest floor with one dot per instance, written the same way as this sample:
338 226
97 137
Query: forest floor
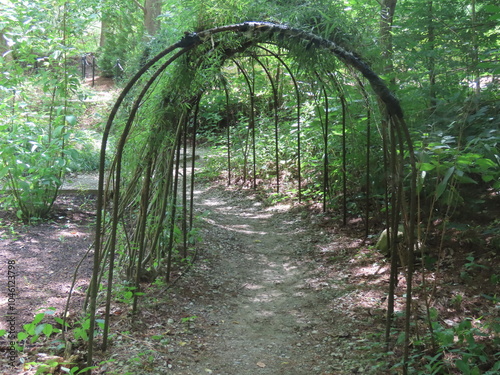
274 291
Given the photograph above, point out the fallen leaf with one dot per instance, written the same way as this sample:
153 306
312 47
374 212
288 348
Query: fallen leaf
261 365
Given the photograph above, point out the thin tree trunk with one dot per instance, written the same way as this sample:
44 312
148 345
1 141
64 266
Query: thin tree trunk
475 50
431 36
152 9
104 29
388 8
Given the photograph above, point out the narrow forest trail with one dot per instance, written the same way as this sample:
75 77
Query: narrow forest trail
262 303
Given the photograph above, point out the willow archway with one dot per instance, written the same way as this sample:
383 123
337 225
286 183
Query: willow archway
139 211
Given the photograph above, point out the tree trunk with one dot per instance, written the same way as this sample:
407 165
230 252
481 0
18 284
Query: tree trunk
475 50
4 48
388 8
152 9
104 28
431 36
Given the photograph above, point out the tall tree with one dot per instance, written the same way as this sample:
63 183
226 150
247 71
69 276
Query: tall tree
431 64
388 8
152 10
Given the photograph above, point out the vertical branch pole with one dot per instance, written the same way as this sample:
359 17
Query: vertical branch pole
252 122
404 135
193 161
343 103
344 154
297 95
368 147
93 70
252 117
325 147
226 90
142 231
276 124
390 299
184 189
173 208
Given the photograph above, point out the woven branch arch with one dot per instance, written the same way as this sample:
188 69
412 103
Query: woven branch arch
160 157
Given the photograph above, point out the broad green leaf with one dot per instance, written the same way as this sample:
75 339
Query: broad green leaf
58 131
484 163
40 328
487 177
426 167
442 185
463 366
48 329
71 119
38 318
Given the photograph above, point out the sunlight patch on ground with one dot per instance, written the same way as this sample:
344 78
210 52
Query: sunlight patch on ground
211 202
280 207
265 313
70 233
252 286
287 267
267 296
237 228
370 270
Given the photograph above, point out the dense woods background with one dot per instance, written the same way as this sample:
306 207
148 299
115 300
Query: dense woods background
440 58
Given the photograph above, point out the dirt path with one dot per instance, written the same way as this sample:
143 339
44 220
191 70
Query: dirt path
273 291
264 306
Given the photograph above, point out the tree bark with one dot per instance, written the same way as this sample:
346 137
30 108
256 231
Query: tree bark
4 48
431 36
388 8
104 28
475 50
152 9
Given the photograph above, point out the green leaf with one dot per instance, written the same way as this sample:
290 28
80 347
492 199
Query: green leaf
425 167
40 328
487 177
29 328
71 119
58 131
463 366
48 329
442 185
84 370
38 318
60 321
484 163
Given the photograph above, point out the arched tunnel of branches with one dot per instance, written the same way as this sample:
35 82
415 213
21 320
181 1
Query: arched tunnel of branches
212 80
